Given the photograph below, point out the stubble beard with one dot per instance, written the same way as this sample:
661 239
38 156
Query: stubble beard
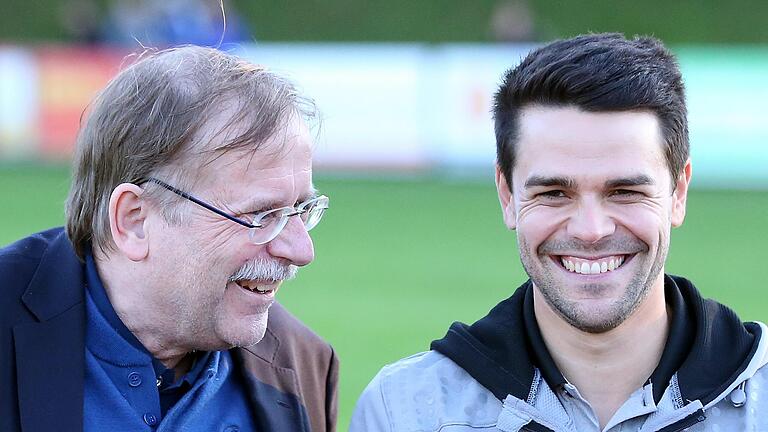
593 320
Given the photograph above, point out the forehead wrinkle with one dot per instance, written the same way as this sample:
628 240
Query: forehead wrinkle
271 197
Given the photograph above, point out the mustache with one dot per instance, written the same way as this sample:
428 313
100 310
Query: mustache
608 245
263 269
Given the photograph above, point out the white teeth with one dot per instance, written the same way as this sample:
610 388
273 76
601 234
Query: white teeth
252 287
592 267
595 269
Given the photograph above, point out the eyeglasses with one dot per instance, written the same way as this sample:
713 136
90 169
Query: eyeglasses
263 227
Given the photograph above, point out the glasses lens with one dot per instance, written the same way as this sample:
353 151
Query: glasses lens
270 225
314 212
272 222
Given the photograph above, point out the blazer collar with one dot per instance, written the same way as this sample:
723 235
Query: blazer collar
50 353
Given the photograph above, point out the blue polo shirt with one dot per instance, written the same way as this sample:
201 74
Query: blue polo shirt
126 388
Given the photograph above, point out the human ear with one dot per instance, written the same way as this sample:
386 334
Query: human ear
680 195
127 219
505 199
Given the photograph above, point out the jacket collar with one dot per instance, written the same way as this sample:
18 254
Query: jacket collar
50 353
57 284
722 347
708 346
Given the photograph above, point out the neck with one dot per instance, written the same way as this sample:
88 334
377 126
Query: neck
136 306
589 360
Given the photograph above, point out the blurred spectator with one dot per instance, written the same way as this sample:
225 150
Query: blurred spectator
81 20
160 23
512 21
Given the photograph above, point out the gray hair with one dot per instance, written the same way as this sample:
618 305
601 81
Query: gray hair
145 123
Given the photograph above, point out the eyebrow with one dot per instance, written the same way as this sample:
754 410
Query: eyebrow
544 181
569 183
638 180
272 203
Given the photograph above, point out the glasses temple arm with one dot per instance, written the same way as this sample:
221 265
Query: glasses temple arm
201 203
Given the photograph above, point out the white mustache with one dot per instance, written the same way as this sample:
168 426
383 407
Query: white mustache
261 269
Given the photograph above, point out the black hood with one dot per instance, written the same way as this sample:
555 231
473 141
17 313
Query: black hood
708 346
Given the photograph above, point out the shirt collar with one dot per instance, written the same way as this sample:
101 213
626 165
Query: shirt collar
167 376
100 298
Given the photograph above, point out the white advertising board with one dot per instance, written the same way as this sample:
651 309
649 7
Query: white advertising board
406 107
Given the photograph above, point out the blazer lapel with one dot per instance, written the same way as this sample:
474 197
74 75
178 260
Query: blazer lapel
50 367
50 353
273 391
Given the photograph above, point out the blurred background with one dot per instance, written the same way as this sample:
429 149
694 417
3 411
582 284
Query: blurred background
414 238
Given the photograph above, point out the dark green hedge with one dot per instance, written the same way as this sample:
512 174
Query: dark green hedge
675 21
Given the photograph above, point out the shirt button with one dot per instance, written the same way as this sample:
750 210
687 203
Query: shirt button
134 379
150 419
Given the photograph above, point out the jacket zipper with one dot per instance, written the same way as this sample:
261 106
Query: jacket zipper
696 417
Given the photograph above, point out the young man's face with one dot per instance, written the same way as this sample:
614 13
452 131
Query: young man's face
593 206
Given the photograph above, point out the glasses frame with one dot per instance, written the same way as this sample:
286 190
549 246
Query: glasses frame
257 216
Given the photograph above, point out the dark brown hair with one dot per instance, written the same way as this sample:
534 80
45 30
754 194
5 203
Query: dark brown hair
596 72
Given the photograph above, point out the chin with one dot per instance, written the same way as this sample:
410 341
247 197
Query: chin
245 332
595 324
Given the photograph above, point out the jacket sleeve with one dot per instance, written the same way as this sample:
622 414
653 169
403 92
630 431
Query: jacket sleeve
371 412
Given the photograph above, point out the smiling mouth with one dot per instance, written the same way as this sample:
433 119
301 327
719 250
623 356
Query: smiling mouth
257 287
592 266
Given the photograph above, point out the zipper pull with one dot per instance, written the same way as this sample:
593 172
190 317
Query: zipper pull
739 396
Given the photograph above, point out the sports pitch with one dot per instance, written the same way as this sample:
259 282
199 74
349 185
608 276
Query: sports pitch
398 260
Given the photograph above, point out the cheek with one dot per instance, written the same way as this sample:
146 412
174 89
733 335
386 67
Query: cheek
644 222
537 224
215 239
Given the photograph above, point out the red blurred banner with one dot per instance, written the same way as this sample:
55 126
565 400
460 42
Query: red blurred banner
69 78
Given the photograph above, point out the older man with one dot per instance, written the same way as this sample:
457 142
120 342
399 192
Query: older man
191 202
593 172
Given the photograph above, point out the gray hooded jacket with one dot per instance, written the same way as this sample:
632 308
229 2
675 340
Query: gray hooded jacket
497 375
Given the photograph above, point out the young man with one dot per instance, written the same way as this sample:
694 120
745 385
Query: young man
593 172
191 202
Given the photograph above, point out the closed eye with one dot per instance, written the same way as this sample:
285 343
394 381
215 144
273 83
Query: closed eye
626 194
551 194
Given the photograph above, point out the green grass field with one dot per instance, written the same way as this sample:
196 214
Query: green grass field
399 260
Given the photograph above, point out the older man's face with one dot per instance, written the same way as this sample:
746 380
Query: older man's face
192 263
593 207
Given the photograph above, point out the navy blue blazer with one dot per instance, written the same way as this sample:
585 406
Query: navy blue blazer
291 374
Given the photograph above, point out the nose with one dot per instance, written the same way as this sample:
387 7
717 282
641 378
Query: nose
293 244
591 223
